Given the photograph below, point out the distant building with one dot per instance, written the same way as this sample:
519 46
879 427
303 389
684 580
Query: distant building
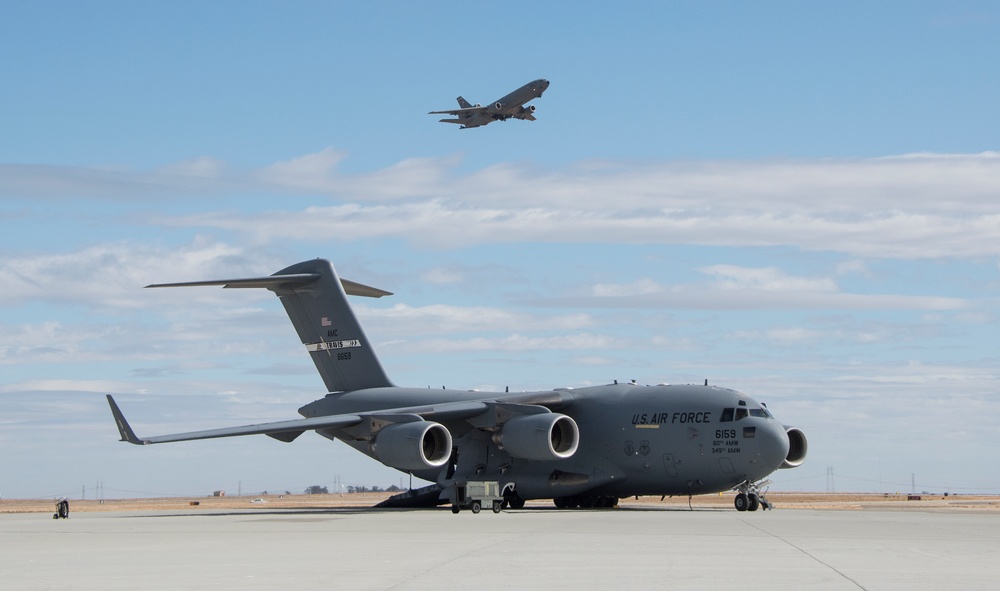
219 493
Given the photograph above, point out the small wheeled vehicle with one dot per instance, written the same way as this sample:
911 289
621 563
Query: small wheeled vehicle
62 509
474 495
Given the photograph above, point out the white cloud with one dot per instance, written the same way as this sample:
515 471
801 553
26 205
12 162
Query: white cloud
915 206
766 279
438 318
514 343
788 336
206 168
640 287
441 275
853 267
748 288
111 275
59 385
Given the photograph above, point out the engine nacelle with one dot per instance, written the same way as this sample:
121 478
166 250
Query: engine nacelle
497 107
542 437
528 109
413 446
797 448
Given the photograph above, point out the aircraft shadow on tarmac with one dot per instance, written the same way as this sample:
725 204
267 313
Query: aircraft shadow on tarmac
335 511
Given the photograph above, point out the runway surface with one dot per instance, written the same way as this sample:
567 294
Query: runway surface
624 549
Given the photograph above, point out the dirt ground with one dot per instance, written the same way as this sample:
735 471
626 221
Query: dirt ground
838 501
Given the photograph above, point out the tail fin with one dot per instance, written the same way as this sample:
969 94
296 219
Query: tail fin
315 299
463 103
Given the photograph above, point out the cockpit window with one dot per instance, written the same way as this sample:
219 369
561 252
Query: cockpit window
742 412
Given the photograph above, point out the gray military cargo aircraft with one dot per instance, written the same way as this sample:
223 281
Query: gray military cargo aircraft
510 106
584 447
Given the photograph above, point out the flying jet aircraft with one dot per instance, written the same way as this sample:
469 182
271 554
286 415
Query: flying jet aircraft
584 447
510 106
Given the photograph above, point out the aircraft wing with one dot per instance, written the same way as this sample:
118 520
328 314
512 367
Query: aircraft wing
288 430
282 430
460 112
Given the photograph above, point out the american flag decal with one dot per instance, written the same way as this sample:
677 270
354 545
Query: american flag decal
324 321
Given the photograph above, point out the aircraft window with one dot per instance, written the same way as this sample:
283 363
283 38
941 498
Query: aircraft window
758 412
727 415
741 413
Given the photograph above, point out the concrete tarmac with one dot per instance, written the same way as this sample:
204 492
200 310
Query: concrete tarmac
622 549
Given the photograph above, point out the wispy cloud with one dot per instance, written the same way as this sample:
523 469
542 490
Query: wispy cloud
911 206
111 274
747 288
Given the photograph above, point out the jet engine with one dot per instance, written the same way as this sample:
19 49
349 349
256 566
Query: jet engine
497 107
797 447
528 109
542 437
413 446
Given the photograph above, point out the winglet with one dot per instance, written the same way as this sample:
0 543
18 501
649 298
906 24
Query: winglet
123 427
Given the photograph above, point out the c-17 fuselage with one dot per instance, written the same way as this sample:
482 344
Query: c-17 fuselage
581 447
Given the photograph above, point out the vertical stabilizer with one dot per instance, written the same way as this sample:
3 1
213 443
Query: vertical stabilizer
328 328
316 301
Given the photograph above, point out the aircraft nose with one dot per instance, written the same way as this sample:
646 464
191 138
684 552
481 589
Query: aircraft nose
773 443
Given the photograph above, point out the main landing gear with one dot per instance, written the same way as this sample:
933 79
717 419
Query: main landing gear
749 496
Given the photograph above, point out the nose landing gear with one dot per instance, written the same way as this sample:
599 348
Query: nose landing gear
749 496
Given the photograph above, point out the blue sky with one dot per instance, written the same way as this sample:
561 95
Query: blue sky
793 200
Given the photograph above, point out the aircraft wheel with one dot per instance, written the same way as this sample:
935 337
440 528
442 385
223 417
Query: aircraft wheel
754 502
455 509
516 502
741 502
497 506
559 502
475 507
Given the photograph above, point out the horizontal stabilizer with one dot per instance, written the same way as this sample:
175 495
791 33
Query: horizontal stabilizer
268 282
281 282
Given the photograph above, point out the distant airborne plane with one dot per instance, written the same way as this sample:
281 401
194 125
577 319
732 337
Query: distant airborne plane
584 447
510 106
